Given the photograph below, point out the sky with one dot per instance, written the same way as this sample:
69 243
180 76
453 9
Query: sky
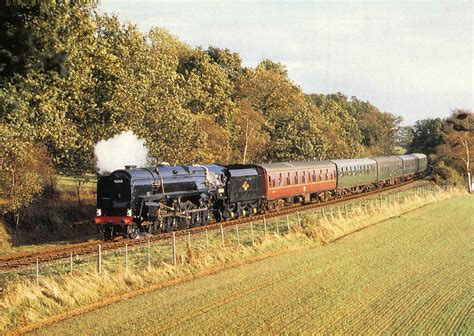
413 59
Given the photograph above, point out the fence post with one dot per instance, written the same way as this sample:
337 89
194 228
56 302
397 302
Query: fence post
345 209
278 227
99 259
251 233
323 213
207 240
222 235
265 227
148 255
299 221
126 257
288 223
189 240
237 233
70 263
37 272
174 248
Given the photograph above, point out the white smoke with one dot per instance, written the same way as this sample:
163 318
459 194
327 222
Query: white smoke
121 150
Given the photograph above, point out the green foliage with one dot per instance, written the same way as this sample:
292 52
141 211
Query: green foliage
82 76
427 135
343 136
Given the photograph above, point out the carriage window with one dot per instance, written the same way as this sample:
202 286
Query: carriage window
269 181
280 180
288 179
274 181
296 178
304 177
314 176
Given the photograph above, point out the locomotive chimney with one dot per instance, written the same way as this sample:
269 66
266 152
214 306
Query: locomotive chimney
128 167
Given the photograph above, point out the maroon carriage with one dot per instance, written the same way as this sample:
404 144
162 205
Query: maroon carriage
291 182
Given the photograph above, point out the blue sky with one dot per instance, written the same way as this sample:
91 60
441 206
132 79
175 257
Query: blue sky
413 59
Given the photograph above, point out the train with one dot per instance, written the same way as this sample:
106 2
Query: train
165 198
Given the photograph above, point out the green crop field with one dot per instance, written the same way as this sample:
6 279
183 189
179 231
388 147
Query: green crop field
410 274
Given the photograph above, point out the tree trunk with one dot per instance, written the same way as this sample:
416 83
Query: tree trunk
246 142
466 160
78 192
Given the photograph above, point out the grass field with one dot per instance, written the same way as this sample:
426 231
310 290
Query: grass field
410 274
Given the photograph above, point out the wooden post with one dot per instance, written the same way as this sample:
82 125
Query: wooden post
174 248
345 209
251 233
126 257
298 216
323 213
99 259
265 227
189 240
222 235
37 272
278 227
207 240
237 233
70 263
288 223
148 256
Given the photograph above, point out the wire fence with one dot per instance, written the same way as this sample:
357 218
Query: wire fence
181 249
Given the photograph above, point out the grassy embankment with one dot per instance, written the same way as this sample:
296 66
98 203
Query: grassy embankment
23 302
412 274
53 219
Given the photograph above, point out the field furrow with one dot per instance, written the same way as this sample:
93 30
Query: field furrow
411 274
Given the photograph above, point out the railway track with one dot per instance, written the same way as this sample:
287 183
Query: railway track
27 259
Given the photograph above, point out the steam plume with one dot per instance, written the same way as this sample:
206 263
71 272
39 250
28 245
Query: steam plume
123 149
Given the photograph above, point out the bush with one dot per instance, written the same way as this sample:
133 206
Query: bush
444 174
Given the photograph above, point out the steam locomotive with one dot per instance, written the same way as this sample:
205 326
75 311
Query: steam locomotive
166 198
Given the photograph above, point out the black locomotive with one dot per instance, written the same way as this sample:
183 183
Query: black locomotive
166 198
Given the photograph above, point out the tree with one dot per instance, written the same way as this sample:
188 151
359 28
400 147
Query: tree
378 129
290 124
215 146
458 148
24 172
404 136
207 88
250 138
22 48
427 136
343 135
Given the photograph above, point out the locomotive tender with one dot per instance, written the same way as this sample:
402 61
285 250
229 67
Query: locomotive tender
166 198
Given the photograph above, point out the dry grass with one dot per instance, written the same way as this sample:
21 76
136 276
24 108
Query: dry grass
410 275
24 302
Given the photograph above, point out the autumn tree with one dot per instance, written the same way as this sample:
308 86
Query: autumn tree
343 135
250 137
24 172
458 146
290 124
